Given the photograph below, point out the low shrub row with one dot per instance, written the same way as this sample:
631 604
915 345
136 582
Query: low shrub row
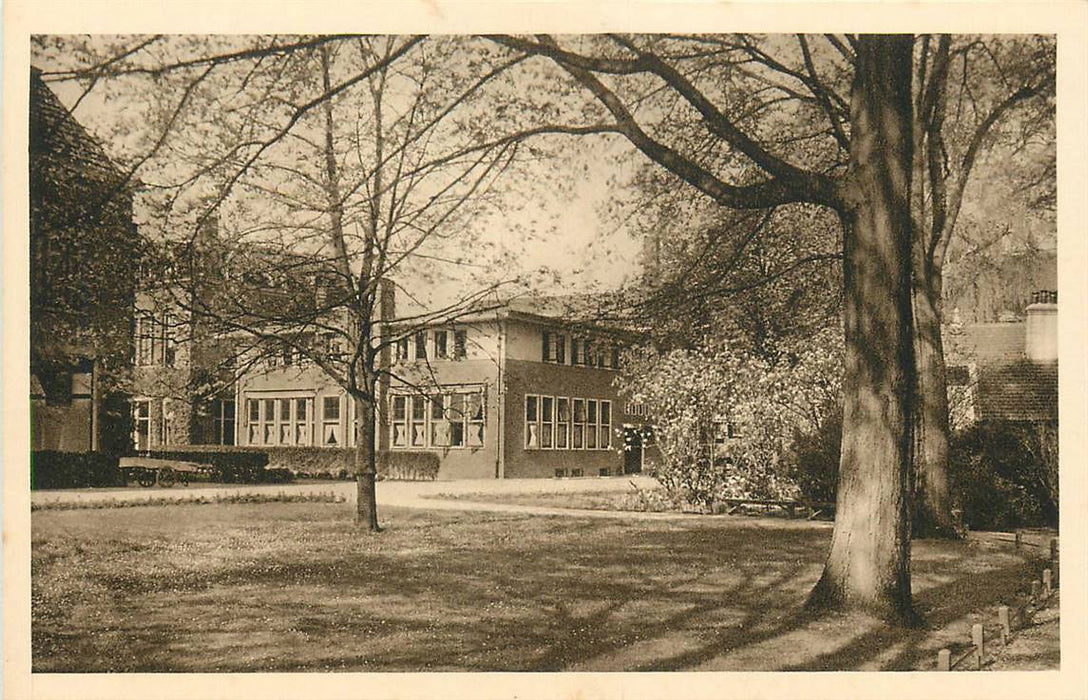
66 470
306 462
228 467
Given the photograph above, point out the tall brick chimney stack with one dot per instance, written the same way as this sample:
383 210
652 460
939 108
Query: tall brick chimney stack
1041 337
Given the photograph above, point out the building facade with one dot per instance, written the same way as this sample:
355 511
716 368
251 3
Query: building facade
83 252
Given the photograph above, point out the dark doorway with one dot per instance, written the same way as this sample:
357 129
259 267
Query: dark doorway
632 450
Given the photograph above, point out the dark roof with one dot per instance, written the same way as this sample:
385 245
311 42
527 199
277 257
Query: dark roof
1018 391
984 342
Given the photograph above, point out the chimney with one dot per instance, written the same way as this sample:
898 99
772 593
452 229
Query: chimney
387 300
1041 336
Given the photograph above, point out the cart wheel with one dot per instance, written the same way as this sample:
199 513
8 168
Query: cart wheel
167 478
145 478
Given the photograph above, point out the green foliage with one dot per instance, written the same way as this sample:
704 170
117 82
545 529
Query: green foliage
815 464
694 396
1000 475
408 466
228 466
65 470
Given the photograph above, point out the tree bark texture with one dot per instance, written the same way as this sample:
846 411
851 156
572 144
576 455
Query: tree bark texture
932 498
366 508
868 566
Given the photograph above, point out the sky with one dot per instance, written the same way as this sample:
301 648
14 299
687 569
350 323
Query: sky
559 240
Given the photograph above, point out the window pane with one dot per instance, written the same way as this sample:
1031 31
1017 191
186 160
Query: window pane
546 406
440 433
546 435
270 409
579 433
475 434
300 409
457 434
606 412
562 409
592 410
532 438
228 410
331 435
302 435
269 434
530 408
440 344
456 409
579 411
475 406
419 408
285 434
254 434
460 343
400 437
399 410
331 407
421 345
591 437
418 434
285 409
561 435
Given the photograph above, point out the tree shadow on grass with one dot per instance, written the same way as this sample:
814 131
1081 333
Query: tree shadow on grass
505 593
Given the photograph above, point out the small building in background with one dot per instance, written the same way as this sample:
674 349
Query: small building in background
1006 371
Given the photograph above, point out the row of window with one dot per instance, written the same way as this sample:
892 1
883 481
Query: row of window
156 339
438 344
289 420
222 413
583 351
564 423
453 419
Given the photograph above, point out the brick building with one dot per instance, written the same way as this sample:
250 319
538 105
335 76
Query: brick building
82 277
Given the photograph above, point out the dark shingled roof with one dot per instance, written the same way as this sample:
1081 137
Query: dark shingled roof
1018 391
984 342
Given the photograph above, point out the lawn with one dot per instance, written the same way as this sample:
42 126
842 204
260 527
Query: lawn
295 587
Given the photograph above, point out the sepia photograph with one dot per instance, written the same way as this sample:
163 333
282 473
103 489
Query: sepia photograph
580 352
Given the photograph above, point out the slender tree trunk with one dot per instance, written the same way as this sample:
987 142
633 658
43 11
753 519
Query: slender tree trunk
366 509
868 567
932 498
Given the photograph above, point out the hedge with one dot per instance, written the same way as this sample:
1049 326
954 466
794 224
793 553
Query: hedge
229 466
324 462
64 470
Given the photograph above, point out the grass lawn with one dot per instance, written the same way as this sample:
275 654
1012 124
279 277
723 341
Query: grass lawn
294 587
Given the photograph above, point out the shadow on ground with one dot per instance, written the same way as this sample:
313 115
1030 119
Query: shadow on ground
295 587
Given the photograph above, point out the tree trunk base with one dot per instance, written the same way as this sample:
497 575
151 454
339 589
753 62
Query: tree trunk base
366 510
826 597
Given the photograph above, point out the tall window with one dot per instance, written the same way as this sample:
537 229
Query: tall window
169 339
578 436
547 421
562 422
402 349
460 344
253 414
554 347
223 421
441 351
331 435
604 442
400 421
141 424
421 345
145 340
532 422
591 424
417 433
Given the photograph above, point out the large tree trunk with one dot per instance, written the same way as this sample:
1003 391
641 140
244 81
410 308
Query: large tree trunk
868 567
932 499
366 509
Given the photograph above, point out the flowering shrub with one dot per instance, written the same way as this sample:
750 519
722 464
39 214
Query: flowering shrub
724 419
